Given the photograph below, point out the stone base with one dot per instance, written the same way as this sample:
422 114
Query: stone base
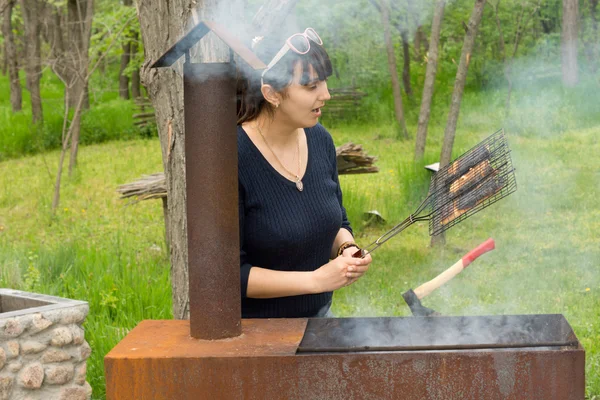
159 360
43 351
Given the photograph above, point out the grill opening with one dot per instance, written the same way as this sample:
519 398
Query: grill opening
436 333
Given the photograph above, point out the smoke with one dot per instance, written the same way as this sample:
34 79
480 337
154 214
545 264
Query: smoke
437 333
547 256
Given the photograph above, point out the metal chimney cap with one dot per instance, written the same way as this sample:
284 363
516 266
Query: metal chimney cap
197 33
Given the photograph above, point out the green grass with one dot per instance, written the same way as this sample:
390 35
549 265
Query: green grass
98 249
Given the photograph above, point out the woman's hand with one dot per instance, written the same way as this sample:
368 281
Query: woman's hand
339 272
359 272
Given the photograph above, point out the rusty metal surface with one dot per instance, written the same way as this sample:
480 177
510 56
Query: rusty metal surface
197 33
436 333
170 338
141 367
212 200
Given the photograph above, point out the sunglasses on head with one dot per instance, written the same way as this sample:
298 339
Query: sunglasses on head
299 43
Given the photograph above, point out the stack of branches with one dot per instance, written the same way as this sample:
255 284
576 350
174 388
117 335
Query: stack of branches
148 187
351 159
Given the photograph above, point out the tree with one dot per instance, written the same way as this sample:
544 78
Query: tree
135 74
391 56
406 66
570 26
403 29
125 58
32 10
69 128
457 92
10 52
69 60
430 73
80 17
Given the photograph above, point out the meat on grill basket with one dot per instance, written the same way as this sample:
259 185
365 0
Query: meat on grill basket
478 178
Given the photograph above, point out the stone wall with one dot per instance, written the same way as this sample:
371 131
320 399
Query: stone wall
43 354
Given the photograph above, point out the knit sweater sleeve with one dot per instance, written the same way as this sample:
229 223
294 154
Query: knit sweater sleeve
333 157
244 265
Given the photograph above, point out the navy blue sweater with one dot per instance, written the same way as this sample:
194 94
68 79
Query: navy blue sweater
286 230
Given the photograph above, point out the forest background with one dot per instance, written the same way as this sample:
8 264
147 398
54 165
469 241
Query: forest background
87 244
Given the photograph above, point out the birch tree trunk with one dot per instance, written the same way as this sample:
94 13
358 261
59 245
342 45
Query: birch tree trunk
424 113
10 52
570 28
457 93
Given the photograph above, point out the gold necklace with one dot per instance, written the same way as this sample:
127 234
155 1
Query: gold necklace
299 184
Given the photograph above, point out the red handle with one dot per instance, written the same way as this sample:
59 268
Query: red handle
484 247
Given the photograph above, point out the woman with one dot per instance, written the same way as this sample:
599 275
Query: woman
292 221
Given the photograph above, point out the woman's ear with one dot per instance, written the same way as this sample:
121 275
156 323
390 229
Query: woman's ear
271 95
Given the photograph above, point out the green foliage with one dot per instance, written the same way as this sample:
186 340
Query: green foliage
109 118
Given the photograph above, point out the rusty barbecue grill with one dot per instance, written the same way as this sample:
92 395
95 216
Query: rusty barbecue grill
440 333
511 357
480 177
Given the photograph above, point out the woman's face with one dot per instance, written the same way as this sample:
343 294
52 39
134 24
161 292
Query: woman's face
302 104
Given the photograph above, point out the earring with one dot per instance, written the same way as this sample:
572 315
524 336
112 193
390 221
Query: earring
276 105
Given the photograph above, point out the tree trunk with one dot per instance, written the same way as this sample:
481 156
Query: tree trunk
124 79
165 89
31 10
420 43
10 52
432 60
398 109
80 15
68 129
135 75
459 86
570 27
406 68
125 59
79 19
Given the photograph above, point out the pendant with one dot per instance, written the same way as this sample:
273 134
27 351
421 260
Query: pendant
299 185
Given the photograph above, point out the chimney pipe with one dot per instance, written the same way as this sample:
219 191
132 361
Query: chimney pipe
212 200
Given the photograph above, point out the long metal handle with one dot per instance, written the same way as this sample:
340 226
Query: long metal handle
362 253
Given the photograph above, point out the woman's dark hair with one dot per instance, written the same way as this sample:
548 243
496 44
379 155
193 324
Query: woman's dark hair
250 99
